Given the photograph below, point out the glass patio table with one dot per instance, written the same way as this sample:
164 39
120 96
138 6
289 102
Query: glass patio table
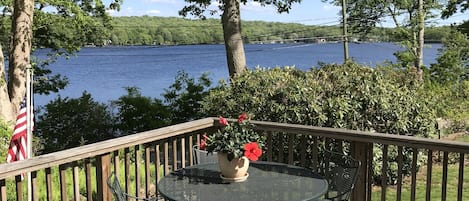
266 181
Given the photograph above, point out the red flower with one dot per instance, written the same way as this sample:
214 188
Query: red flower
203 143
242 117
252 151
223 121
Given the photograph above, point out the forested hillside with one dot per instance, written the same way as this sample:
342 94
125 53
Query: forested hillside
148 30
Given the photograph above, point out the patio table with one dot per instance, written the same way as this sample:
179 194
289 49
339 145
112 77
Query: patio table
267 181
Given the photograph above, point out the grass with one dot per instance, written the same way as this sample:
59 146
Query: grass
41 181
463 138
437 172
436 180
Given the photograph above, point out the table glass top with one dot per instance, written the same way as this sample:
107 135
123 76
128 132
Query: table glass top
266 181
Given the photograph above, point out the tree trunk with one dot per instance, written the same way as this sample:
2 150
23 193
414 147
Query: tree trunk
421 29
6 111
20 51
231 21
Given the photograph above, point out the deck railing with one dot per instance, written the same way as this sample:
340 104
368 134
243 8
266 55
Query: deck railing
145 157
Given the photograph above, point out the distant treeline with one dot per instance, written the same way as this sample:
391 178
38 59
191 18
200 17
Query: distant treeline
146 30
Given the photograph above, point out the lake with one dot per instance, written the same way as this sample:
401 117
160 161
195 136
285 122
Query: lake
105 71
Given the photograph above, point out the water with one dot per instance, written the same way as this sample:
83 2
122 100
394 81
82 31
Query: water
104 72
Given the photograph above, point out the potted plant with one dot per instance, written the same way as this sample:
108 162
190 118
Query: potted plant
200 153
236 143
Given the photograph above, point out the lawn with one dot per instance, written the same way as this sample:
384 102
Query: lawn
437 175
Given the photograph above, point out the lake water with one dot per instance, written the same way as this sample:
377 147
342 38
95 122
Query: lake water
104 72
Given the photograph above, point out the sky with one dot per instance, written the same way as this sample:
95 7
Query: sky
309 12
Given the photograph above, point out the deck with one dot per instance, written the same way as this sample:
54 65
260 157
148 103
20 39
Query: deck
143 158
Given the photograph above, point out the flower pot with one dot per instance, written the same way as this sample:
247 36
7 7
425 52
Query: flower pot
235 170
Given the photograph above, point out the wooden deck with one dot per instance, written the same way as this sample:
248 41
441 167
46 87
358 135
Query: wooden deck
145 157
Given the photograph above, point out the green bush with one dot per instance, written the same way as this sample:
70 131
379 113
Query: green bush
136 113
346 96
451 103
183 97
68 123
5 135
349 96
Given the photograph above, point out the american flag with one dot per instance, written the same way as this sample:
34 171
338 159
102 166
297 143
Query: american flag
18 144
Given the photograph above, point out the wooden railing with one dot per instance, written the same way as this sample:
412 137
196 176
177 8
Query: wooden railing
145 157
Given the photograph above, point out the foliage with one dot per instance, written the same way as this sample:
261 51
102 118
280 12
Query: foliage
64 31
175 31
349 96
235 138
408 17
450 103
230 14
453 60
448 82
453 6
341 96
200 8
464 27
68 123
6 132
437 33
136 113
61 26
184 96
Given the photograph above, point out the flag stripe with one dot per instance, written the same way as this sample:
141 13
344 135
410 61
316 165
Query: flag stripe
18 144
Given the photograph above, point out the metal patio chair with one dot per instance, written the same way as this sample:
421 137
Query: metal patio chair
203 157
341 172
116 189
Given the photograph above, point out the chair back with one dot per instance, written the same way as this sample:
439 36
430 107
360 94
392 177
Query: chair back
341 171
203 157
115 186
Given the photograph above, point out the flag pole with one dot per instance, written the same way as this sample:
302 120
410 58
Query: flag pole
29 101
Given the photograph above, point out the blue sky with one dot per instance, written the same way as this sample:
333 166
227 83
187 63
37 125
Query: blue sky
310 12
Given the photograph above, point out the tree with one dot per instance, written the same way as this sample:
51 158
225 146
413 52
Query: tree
363 15
464 27
136 113
69 123
231 23
453 6
185 95
63 27
453 61
19 58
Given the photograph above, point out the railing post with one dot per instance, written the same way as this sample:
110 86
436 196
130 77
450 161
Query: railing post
360 152
103 171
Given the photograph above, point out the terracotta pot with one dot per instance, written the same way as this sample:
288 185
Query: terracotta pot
234 170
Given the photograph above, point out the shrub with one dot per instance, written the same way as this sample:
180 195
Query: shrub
68 123
341 96
183 97
136 113
6 131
